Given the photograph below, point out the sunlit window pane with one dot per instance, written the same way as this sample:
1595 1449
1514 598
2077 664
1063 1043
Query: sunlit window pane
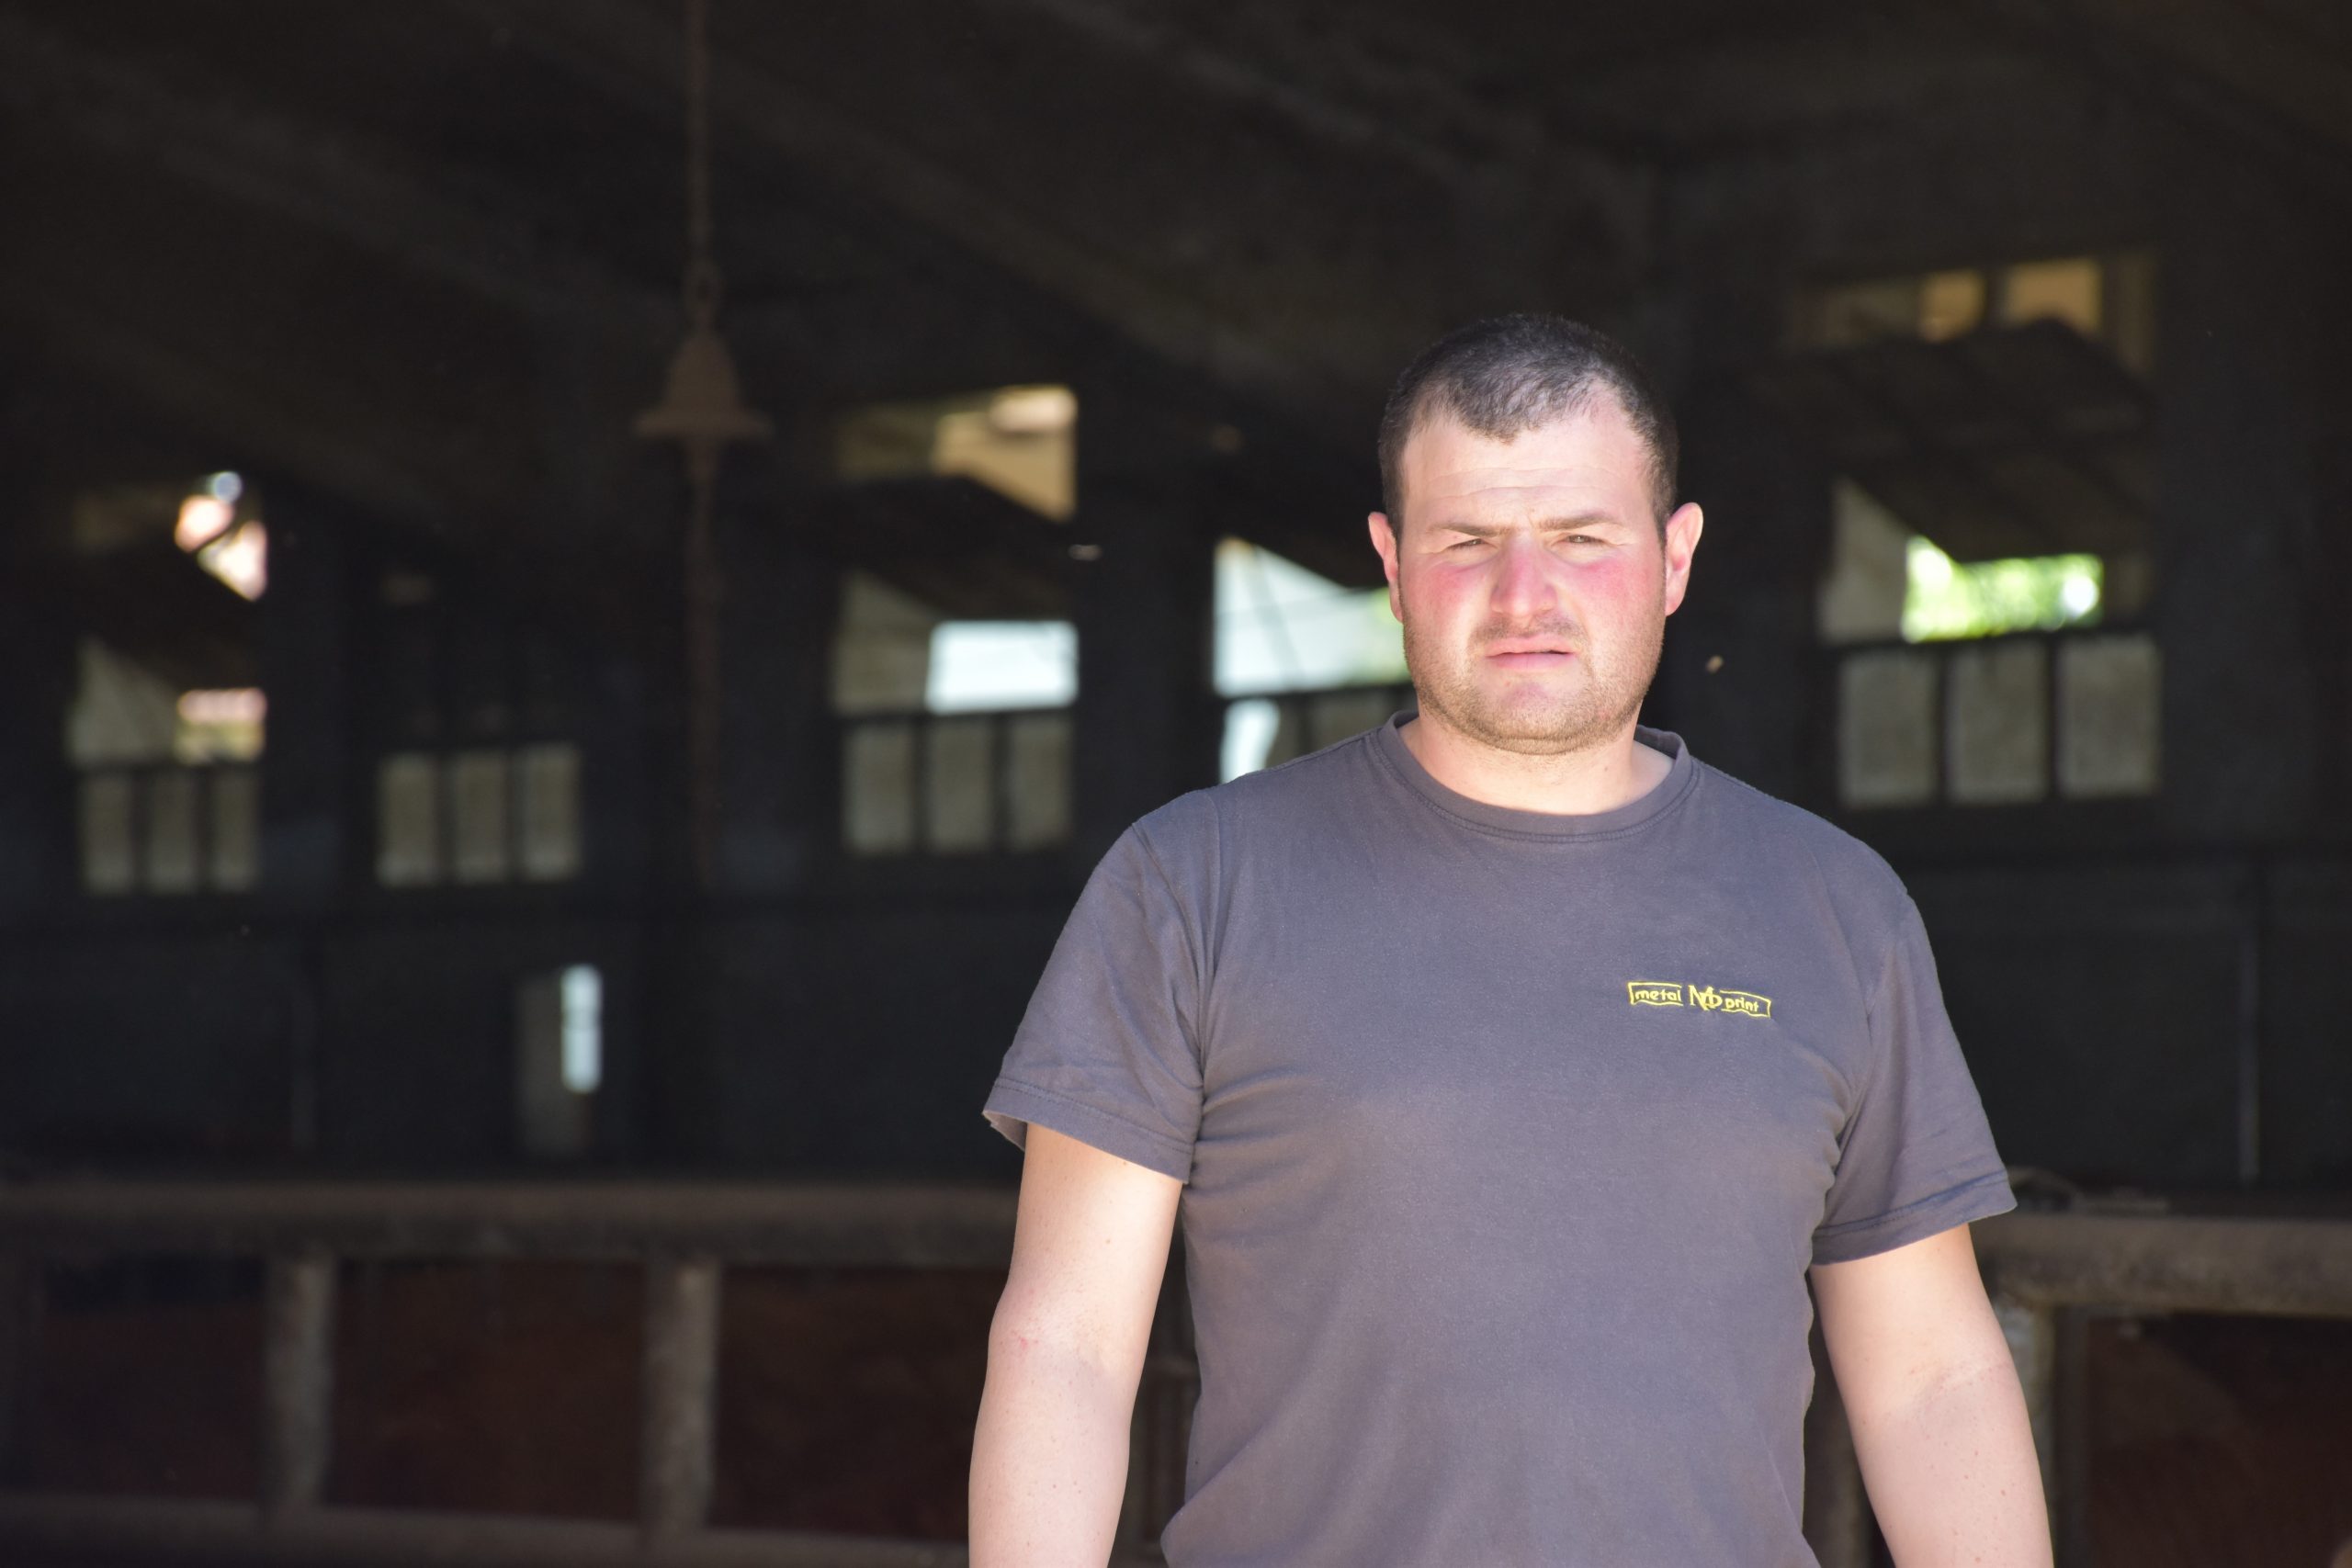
478 786
1038 774
173 864
235 827
109 858
1946 599
2065 290
1886 728
980 665
1282 628
408 820
1996 723
2109 703
878 789
550 785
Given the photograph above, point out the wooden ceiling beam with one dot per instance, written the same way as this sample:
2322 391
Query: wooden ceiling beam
631 53
369 196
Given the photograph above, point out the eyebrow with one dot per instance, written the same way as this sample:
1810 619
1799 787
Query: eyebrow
1548 525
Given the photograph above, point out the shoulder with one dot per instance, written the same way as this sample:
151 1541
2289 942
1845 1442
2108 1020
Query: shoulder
1802 854
1283 798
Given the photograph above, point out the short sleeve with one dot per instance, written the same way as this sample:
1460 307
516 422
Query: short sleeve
1916 1157
1107 1053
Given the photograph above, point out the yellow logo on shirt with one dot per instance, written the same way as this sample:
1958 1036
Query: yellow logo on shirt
1706 999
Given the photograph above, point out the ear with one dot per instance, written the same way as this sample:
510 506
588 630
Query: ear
1384 540
1682 532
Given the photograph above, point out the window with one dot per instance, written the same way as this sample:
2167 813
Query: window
477 781
167 798
1019 441
978 665
2108 298
477 815
559 1059
958 733
167 724
1982 684
1309 662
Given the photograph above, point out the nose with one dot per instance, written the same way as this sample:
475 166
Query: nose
1523 588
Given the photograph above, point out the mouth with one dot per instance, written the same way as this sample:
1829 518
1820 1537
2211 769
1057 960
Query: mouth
1529 655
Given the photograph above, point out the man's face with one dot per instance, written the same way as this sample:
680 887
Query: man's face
1532 579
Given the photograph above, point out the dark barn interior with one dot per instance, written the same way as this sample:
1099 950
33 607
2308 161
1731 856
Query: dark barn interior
486 799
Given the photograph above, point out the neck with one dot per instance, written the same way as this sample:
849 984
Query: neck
1614 772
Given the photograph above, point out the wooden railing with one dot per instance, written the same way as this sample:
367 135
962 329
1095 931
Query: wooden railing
2046 1271
683 1236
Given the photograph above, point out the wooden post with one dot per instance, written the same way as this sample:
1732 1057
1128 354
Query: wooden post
680 1376
22 1297
2032 1334
298 1381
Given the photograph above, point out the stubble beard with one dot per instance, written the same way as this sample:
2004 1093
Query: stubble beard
1525 717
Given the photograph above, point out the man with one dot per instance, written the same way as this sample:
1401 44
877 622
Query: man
1512 1071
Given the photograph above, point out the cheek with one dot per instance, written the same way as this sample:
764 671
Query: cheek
1439 593
1617 589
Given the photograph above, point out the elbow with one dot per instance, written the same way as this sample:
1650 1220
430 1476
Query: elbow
1033 1338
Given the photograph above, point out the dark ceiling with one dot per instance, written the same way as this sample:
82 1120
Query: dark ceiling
423 257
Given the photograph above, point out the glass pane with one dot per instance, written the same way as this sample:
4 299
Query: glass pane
1869 576
108 864
959 795
1997 723
172 863
1951 303
551 811
976 666
2109 692
1249 726
2065 290
1335 715
236 827
408 820
553 1118
477 788
1281 628
878 788
1886 728
1037 775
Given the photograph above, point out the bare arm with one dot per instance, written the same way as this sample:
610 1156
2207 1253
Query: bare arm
1938 1420
1049 1460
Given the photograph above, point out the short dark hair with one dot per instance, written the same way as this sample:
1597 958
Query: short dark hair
1507 375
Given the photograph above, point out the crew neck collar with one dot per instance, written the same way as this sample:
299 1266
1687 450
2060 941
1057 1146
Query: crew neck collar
1388 743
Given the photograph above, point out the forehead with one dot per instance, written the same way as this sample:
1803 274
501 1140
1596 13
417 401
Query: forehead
1593 460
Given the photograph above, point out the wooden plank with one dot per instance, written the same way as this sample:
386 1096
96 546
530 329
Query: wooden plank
2171 1262
122 1530
903 1226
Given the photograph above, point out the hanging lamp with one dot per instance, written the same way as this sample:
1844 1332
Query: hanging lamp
702 411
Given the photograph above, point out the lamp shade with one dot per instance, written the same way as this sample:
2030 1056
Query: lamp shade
703 404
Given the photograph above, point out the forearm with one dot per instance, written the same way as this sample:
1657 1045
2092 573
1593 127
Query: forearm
1049 1458
1953 1475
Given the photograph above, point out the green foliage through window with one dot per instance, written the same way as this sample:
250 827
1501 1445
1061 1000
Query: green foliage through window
1944 599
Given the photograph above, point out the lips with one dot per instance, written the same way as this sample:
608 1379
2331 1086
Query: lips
1531 657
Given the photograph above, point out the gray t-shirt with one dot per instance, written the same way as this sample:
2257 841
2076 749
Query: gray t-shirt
1508 1139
